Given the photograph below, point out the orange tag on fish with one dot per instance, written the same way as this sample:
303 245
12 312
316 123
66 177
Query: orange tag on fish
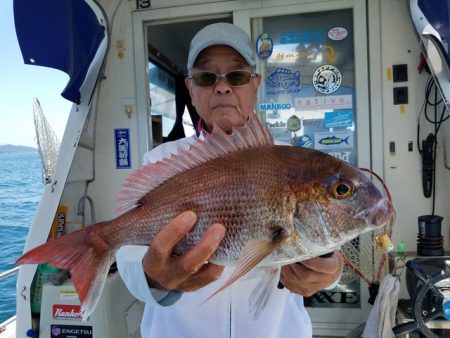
384 243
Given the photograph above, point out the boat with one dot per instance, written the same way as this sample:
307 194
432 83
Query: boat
332 70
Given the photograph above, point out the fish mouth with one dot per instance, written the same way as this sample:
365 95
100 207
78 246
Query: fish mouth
378 215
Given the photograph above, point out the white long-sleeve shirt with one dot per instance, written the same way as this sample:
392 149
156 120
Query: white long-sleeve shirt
227 314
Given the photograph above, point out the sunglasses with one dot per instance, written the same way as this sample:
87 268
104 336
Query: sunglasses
236 78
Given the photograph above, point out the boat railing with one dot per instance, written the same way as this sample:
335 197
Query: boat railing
4 275
9 272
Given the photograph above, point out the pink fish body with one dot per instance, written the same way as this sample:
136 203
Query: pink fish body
279 204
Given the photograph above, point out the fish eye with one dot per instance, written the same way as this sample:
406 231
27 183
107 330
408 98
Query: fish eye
341 189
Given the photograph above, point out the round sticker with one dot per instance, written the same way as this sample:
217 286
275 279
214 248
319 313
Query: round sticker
337 33
293 123
264 46
327 79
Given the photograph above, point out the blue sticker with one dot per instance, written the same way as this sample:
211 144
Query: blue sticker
274 106
338 119
122 144
317 36
332 140
264 46
305 141
283 81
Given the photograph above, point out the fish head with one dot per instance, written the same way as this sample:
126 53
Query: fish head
342 203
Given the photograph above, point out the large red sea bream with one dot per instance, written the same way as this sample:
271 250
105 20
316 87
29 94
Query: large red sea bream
279 204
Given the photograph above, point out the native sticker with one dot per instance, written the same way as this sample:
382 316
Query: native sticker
264 46
333 140
337 33
327 79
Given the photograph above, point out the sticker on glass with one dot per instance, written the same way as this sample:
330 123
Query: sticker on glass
294 123
333 140
264 46
304 141
337 33
327 79
338 119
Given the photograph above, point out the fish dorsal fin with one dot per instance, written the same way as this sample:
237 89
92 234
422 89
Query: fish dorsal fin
216 144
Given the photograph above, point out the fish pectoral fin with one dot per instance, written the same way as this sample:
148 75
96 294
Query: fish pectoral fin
263 290
251 255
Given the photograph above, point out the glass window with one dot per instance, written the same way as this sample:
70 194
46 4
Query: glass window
307 96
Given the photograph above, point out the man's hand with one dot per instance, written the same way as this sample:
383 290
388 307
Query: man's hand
188 272
309 276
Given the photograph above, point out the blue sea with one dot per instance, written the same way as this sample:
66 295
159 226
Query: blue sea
20 190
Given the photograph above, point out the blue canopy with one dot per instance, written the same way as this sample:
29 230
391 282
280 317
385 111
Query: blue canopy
60 34
437 13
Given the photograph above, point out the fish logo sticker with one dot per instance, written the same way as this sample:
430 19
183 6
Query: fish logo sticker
333 140
337 33
264 46
327 79
283 78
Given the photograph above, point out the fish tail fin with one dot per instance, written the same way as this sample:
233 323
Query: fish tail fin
85 254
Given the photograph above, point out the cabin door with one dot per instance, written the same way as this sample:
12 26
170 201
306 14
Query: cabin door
314 93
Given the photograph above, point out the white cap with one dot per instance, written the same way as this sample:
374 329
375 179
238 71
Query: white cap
221 33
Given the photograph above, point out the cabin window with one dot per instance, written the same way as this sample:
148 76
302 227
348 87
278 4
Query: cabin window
162 86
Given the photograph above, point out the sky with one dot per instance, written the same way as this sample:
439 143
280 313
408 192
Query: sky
20 83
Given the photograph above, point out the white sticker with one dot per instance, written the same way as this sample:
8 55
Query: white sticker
68 294
324 102
337 33
327 79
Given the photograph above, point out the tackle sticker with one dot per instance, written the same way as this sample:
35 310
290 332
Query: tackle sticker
70 331
264 46
122 144
333 140
338 119
283 81
67 312
324 102
327 79
337 33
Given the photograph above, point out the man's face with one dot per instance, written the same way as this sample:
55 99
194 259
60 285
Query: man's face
222 103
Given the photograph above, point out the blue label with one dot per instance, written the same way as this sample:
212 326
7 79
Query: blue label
274 106
303 37
338 119
122 142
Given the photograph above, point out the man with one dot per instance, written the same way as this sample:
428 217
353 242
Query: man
223 86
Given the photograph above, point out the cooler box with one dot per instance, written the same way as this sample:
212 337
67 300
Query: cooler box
117 315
